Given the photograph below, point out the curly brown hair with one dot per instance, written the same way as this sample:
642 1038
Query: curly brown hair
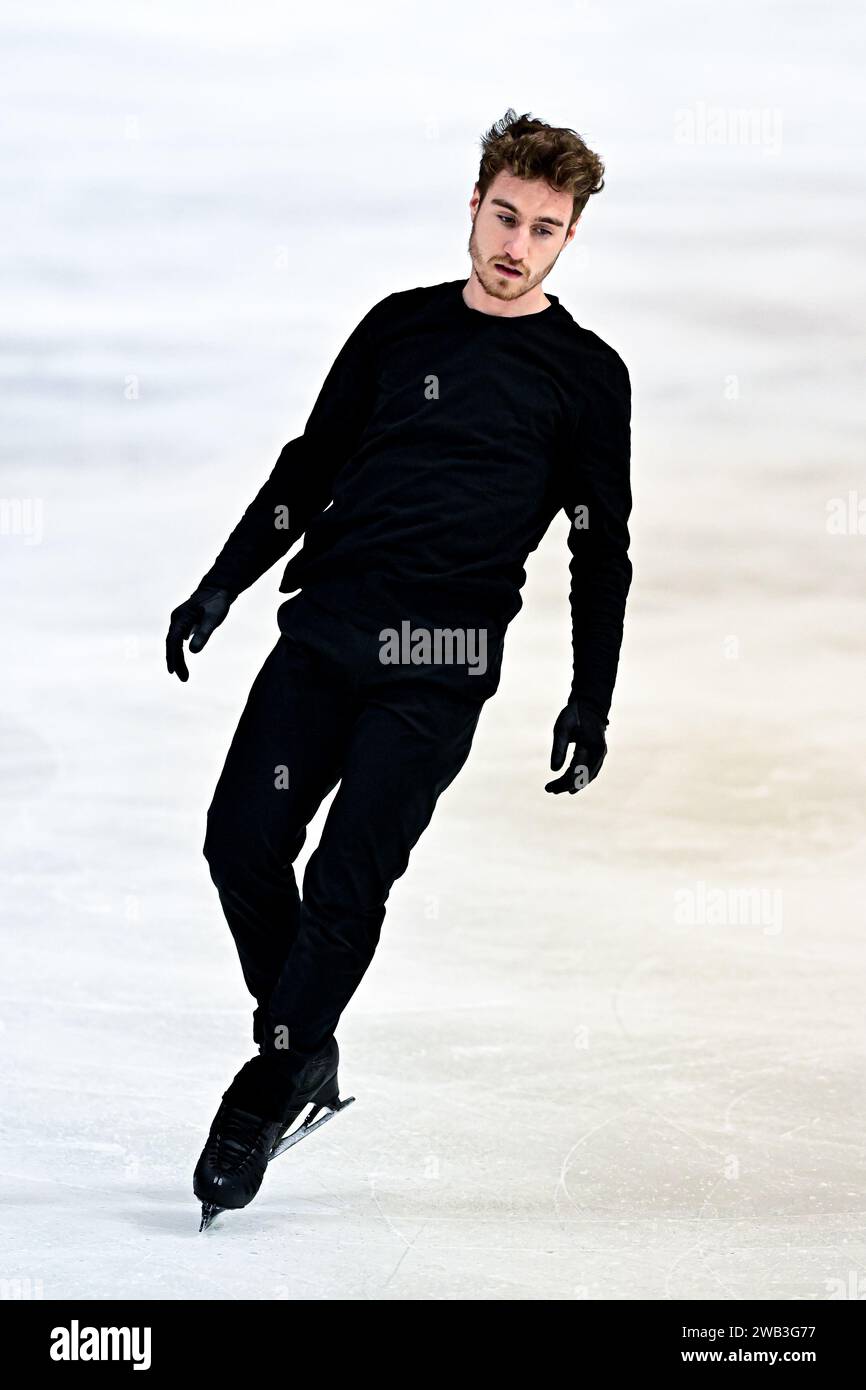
532 149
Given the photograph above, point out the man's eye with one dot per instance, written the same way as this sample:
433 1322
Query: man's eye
503 217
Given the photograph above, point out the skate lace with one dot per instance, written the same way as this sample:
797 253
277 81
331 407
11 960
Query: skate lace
240 1131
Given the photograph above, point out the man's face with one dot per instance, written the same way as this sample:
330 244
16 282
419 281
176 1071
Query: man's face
522 225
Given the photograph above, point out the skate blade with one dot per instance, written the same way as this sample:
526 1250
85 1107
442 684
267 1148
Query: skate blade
209 1213
309 1124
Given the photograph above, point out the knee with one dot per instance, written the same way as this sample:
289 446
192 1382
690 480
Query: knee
235 848
225 848
214 851
340 889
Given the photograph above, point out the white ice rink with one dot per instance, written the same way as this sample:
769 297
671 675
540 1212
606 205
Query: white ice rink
611 1046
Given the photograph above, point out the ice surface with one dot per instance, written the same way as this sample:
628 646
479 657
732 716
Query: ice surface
586 1066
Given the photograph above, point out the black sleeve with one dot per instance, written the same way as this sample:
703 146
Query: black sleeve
597 467
301 482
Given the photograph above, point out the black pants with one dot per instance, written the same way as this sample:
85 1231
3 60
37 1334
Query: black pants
322 710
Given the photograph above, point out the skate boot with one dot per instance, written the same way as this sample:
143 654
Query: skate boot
251 1125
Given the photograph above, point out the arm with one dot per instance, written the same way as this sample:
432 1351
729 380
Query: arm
598 480
597 501
301 482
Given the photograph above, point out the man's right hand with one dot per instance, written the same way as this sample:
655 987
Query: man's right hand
195 619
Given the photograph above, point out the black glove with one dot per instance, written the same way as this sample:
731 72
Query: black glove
203 611
585 729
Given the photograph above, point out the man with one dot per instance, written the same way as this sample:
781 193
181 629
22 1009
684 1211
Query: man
457 421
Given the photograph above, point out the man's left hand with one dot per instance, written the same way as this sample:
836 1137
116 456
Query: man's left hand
585 730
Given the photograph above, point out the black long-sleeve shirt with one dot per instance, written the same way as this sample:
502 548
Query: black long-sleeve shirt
445 441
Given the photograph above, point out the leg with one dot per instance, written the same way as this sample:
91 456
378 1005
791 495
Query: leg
298 717
407 745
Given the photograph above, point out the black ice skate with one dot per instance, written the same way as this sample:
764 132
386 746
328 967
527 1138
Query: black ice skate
253 1122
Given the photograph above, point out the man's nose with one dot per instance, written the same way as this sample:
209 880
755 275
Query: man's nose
517 245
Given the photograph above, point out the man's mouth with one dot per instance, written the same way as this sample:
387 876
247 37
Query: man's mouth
508 270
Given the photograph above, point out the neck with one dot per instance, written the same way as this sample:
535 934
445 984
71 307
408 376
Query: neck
476 296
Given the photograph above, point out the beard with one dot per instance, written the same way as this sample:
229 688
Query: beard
497 285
